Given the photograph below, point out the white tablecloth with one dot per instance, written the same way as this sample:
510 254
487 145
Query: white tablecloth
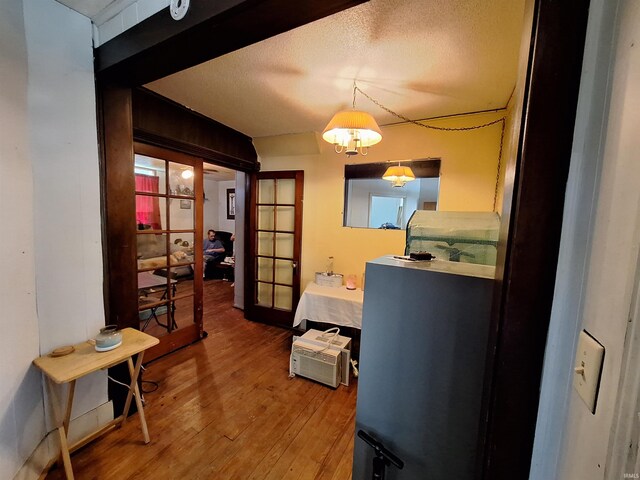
335 305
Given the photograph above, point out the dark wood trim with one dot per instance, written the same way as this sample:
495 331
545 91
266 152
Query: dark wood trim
423 168
251 234
528 251
100 119
160 46
119 206
249 240
162 122
297 244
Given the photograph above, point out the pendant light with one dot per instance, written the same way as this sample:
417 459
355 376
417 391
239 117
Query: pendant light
399 175
352 131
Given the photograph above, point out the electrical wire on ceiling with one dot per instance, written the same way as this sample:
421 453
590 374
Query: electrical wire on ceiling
501 121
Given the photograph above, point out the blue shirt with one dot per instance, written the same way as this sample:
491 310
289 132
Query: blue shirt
208 245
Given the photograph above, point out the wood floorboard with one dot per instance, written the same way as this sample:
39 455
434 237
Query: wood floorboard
225 408
305 453
337 464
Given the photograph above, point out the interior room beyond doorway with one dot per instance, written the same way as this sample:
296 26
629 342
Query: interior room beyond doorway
222 213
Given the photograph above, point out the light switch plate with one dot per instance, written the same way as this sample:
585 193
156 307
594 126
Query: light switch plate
588 368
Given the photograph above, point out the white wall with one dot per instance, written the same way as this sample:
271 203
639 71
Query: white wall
215 205
429 189
181 218
49 184
224 224
599 248
211 209
21 405
64 153
238 247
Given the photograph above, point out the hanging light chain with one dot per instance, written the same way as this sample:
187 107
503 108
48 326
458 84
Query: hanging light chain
407 119
355 87
495 193
501 120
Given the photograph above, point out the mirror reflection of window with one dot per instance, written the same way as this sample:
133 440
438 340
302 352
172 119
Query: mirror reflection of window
371 202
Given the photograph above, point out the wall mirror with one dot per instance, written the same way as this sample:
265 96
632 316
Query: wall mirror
371 202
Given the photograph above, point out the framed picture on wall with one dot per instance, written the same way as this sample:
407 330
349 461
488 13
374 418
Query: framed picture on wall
231 203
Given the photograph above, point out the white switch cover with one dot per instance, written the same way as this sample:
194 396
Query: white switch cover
588 366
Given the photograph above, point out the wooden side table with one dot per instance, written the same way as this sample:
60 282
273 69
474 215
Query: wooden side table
83 361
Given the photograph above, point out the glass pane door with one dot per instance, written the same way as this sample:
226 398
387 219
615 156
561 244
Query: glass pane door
168 235
276 231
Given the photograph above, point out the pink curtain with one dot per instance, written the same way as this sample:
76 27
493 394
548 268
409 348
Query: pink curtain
147 208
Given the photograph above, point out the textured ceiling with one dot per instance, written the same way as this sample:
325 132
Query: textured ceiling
420 58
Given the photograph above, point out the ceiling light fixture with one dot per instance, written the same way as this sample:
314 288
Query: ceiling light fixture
352 131
399 175
187 174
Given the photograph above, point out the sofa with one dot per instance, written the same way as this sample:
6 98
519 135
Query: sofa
151 253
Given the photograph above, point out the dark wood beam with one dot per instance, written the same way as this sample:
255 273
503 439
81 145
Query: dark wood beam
528 251
160 46
427 168
119 208
164 123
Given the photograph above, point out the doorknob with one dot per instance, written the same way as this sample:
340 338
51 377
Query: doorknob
294 265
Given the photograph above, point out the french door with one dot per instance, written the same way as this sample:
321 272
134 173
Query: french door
169 262
275 244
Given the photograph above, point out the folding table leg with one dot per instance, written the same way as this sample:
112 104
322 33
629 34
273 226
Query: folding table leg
62 422
64 451
67 414
133 388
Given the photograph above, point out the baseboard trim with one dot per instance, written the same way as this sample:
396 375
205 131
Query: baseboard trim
34 467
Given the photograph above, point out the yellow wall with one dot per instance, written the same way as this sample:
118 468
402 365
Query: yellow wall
468 175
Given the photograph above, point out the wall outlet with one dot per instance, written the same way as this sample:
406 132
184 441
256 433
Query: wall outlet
588 368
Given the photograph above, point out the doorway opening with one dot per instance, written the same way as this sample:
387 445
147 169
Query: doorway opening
223 212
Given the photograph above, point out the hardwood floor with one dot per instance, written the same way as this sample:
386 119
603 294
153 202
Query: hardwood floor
226 409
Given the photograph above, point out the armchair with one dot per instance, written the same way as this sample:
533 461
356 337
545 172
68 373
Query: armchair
221 270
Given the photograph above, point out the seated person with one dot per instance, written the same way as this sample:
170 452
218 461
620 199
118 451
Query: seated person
213 249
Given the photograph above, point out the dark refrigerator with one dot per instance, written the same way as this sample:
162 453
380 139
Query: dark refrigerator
424 336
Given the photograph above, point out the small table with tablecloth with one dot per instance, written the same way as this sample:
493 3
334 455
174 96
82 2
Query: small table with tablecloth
334 305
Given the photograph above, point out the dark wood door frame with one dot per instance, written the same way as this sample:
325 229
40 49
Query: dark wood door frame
527 251
118 205
528 246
